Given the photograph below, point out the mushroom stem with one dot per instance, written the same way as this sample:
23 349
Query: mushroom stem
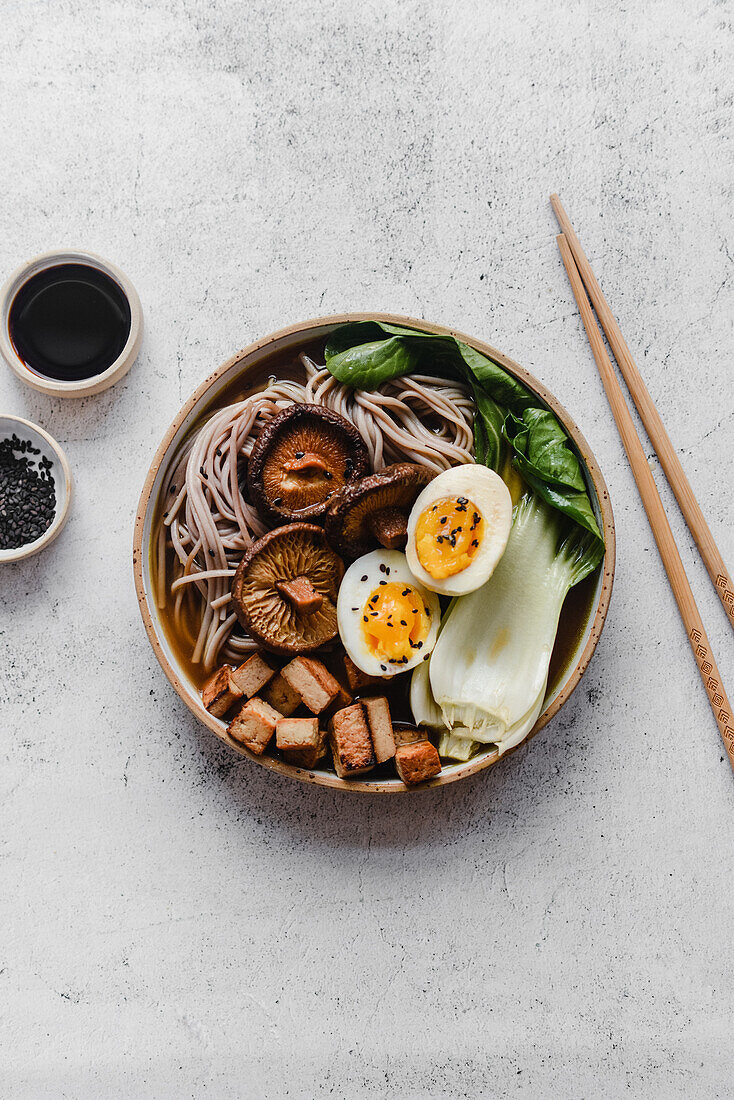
301 595
390 528
307 462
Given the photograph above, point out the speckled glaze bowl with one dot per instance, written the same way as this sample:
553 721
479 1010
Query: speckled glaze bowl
248 362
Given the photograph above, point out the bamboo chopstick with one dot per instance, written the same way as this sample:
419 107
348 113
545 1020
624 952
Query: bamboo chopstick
655 511
650 417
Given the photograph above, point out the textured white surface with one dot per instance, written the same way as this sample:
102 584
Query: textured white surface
176 921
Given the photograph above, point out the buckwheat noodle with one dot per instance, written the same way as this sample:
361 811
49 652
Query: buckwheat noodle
208 523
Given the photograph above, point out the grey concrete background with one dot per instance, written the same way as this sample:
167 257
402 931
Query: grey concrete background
176 922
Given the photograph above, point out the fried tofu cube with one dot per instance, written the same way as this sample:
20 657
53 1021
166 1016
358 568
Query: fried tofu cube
343 699
313 682
218 693
351 743
301 741
281 695
405 734
251 676
377 710
417 761
296 733
357 679
254 725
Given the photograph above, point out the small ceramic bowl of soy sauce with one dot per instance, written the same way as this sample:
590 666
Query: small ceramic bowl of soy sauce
35 488
70 323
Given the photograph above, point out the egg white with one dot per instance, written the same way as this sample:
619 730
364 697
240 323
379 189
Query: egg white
362 579
488 493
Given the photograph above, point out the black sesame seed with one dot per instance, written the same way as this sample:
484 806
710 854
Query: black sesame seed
462 500
300 454
328 475
384 668
277 500
443 519
403 622
382 568
383 582
364 578
27 494
406 592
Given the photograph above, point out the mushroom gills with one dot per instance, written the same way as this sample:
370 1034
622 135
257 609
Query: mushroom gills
285 589
301 459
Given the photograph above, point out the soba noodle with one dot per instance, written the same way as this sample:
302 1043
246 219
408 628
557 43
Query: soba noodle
209 524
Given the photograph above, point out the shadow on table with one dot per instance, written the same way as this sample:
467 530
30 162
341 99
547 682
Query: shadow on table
529 782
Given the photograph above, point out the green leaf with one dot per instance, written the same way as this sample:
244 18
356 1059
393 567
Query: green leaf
544 445
367 366
488 421
360 332
576 506
502 387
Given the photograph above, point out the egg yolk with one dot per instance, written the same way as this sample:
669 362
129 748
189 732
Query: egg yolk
395 623
448 536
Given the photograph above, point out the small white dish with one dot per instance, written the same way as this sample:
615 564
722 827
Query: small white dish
60 471
85 386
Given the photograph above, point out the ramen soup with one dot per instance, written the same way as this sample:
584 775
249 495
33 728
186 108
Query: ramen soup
432 564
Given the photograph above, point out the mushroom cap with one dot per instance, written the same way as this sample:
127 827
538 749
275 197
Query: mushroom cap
350 520
300 459
262 585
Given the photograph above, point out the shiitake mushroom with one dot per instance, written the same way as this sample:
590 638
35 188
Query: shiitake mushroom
300 460
285 589
374 510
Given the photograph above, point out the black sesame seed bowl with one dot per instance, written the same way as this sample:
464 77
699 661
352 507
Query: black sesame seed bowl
35 488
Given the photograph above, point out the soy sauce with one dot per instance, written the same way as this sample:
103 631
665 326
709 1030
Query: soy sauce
69 322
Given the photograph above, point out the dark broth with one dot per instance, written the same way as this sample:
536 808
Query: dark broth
575 615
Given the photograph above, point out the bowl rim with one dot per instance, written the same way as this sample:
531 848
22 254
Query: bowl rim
82 387
594 627
30 548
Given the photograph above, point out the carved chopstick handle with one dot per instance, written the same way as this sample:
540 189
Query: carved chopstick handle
714 688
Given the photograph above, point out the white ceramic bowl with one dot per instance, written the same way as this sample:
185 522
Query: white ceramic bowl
85 386
205 398
60 470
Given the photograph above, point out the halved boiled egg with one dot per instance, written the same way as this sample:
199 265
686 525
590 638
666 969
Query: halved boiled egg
458 529
388 621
